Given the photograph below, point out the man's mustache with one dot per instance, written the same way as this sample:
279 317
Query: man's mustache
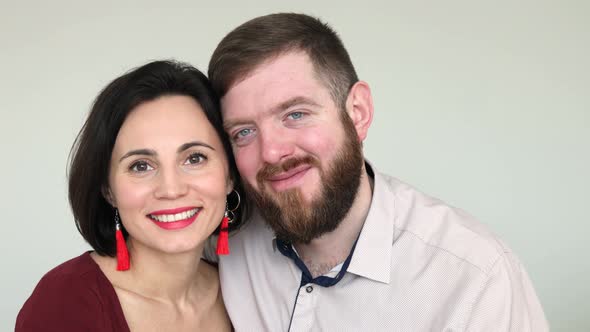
270 170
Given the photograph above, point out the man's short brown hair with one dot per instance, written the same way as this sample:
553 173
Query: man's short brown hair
265 37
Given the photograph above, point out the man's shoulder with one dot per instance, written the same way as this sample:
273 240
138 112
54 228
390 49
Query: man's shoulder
255 227
441 227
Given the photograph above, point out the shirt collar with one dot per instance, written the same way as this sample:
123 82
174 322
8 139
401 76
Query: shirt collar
372 255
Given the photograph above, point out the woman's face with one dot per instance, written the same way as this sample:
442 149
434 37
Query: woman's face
169 175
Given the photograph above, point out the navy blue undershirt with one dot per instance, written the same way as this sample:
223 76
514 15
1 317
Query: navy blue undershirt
287 250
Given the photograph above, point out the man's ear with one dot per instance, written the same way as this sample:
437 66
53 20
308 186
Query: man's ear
108 195
359 107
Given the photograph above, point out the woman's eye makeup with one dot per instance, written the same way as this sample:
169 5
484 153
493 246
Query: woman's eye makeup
195 158
140 166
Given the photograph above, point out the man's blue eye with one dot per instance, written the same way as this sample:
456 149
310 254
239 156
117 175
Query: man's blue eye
296 115
244 132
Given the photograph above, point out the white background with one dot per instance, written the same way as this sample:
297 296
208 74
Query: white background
484 104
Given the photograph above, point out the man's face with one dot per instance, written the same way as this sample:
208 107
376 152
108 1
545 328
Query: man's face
299 155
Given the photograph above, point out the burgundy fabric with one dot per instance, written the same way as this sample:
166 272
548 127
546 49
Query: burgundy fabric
75 296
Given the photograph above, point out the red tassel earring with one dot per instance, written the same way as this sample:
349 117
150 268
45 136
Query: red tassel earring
122 253
223 239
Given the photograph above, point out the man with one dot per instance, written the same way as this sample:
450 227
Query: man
333 244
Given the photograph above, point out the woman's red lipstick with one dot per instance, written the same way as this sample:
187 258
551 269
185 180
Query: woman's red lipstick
176 218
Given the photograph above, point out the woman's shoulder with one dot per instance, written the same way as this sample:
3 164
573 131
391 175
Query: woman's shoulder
70 295
70 274
79 274
76 267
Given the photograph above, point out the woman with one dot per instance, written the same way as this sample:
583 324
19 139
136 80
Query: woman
149 181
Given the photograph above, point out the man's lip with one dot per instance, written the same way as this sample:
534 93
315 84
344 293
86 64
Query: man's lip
289 173
173 211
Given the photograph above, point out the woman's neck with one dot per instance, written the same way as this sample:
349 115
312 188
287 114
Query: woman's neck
163 277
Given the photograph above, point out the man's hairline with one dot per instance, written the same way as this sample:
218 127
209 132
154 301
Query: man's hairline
289 49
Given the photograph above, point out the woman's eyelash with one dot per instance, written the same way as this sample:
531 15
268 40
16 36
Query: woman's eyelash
140 166
196 158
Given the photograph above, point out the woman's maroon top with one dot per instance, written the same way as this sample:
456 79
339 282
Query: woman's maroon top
75 296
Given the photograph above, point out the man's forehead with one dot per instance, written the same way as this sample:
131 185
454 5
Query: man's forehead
282 80
283 63
280 75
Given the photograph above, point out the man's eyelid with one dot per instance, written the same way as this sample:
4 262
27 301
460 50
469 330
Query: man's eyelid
236 131
301 112
231 126
303 108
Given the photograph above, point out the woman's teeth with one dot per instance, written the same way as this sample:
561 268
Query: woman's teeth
174 217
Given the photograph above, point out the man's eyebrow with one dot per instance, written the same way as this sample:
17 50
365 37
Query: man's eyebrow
141 152
189 145
297 100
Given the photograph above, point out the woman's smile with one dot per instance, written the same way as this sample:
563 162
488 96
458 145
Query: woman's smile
174 218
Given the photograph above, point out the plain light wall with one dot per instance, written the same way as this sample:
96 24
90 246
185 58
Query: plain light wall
484 104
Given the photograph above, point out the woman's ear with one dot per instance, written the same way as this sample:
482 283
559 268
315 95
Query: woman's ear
359 107
229 186
108 196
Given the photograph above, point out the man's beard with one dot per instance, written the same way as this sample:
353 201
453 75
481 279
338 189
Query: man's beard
289 215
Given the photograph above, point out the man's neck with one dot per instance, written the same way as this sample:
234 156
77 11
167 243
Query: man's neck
324 253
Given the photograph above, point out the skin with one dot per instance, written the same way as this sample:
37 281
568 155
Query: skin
167 155
282 110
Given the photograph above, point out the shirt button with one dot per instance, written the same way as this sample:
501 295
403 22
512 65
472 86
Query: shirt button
309 289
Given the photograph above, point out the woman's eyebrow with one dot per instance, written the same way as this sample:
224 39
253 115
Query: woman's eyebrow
189 145
142 152
150 152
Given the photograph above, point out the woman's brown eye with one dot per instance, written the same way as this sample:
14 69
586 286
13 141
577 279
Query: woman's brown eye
196 158
140 166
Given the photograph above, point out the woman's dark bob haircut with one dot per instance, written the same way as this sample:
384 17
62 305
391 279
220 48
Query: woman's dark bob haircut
91 153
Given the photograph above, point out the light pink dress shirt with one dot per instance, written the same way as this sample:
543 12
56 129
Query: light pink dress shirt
419 265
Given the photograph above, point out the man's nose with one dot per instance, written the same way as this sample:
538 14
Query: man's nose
276 146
